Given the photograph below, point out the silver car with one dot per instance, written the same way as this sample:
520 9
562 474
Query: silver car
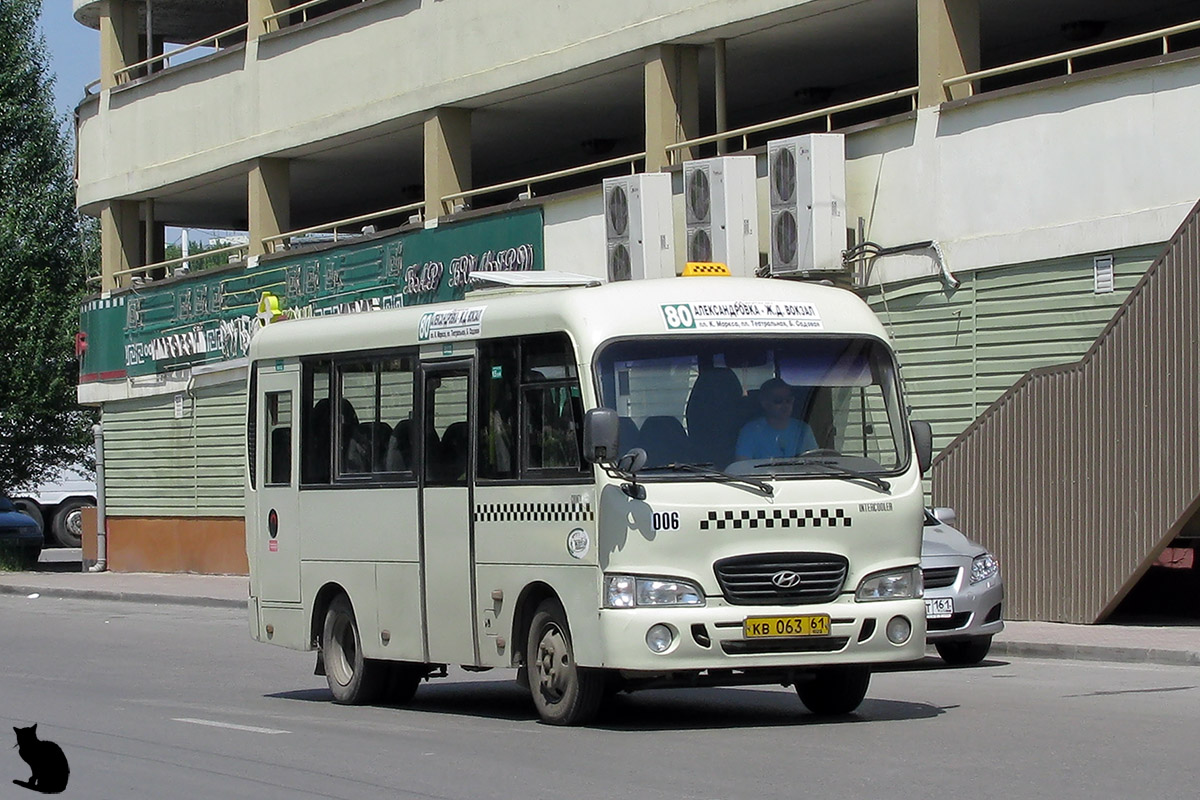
963 591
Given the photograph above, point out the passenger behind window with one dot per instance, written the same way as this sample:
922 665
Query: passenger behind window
356 442
776 434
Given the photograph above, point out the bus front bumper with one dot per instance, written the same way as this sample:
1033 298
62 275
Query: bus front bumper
715 637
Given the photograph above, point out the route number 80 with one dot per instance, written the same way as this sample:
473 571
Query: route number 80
679 315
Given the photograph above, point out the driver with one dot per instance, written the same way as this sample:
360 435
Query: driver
776 434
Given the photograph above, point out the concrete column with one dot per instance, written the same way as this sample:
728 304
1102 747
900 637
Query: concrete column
257 9
947 46
119 38
120 237
447 157
154 240
721 112
672 102
270 199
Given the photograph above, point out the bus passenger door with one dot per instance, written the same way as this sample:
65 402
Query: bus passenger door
447 535
276 529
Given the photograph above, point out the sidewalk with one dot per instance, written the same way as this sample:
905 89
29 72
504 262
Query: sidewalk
1139 644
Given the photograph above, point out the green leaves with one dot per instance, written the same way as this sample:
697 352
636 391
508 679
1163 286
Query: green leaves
42 265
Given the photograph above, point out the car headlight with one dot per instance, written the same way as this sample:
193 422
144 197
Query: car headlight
897 584
984 567
630 591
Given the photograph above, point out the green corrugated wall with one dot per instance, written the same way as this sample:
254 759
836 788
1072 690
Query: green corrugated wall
961 349
157 465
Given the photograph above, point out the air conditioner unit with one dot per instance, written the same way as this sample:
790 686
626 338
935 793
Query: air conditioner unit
639 229
807 178
720 212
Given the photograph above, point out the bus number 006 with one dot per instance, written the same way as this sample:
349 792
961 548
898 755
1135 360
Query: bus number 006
666 520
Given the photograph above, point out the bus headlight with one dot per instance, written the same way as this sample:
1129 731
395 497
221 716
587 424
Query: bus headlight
631 591
897 584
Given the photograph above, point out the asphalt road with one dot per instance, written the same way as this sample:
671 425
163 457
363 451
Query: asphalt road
172 701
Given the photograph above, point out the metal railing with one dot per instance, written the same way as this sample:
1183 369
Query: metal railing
1069 56
826 112
527 183
241 249
273 243
214 41
300 8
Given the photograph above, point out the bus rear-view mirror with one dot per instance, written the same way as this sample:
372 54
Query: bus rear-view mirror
601 435
923 441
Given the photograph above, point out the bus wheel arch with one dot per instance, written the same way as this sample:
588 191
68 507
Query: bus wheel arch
527 605
320 608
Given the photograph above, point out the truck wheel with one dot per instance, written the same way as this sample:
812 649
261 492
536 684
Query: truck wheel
31 509
68 523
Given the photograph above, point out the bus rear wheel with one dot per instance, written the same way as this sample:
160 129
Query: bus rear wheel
563 693
835 690
353 679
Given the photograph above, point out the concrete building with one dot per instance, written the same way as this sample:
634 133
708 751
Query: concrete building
1012 171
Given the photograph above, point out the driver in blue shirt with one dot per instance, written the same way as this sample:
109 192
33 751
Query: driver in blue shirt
776 434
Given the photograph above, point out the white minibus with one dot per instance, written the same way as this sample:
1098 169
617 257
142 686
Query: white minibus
695 481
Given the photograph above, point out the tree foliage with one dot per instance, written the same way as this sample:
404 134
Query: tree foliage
42 265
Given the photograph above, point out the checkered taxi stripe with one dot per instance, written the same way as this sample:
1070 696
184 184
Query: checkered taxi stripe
534 512
776 518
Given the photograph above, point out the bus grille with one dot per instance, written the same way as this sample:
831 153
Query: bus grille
747 580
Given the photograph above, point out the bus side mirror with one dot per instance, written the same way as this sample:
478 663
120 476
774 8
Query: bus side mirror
601 435
923 439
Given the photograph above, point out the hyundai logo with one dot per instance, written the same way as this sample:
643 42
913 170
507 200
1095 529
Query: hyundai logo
786 579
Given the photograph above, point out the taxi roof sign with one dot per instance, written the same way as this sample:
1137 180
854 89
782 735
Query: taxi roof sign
696 268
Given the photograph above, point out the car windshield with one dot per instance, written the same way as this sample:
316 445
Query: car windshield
784 406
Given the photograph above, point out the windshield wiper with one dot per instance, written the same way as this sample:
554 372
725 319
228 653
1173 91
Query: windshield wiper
708 471
834 469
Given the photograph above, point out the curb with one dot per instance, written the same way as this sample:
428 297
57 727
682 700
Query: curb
1091 652
128 597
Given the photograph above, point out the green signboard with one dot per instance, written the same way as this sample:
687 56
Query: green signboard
210 317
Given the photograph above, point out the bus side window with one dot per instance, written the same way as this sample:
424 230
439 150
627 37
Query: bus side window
357 407
316 431
498 381
395 453
278 407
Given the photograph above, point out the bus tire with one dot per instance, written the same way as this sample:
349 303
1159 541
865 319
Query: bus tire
563 692
835 690
352 678
403 679
68 523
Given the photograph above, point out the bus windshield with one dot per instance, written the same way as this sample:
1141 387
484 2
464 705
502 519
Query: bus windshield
784 406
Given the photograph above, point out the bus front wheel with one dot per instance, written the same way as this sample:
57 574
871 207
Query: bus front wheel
563 693
835 690
353 679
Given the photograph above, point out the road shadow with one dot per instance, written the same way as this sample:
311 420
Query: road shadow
651 710
929 663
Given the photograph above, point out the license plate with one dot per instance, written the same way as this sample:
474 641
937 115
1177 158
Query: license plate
939 607
772 627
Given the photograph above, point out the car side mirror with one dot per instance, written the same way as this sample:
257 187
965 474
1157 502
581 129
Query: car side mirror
601 435
946 516
923 441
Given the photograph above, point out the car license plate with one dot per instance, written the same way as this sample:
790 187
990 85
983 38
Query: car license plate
770 627
939 607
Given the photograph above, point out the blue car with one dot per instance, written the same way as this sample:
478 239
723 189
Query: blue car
20 537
